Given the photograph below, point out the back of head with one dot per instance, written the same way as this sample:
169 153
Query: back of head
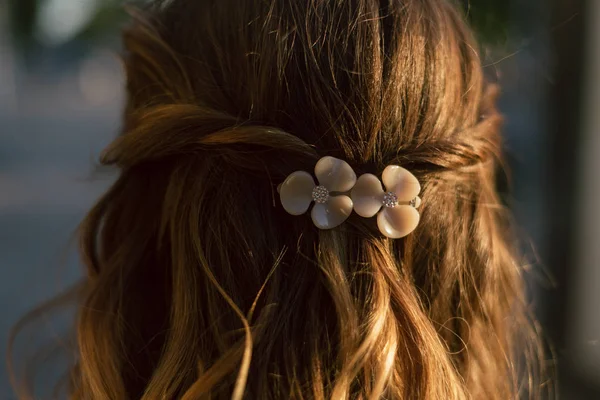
200 284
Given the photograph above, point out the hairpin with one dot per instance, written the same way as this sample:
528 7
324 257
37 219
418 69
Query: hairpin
396 206
299 190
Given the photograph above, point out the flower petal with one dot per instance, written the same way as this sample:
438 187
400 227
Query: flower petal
332 213
400 181
335 174
296 192
367 195
397 222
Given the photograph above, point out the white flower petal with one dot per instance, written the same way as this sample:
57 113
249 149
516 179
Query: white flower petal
400 181
296 192
397 222
367 195
335 174
332 213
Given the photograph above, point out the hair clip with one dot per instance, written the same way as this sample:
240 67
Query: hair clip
396 206
299 190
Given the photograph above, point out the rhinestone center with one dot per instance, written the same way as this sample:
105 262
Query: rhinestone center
390 200
320 194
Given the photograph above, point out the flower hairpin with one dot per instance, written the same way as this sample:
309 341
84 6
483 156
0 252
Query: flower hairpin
332 207
396 206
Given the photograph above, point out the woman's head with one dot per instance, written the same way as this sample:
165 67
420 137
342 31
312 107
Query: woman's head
201 285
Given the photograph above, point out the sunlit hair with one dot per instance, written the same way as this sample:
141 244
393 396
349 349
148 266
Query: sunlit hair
200 286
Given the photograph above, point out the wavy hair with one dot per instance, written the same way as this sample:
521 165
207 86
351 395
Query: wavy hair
200 286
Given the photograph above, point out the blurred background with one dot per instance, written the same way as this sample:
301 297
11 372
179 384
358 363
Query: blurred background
60 104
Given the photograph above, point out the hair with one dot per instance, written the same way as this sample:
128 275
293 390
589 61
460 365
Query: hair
200 286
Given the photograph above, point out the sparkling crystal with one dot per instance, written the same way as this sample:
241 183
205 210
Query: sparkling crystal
320 194
390 199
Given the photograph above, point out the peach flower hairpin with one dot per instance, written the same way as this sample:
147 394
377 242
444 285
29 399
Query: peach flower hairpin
396 206
332 206
338 192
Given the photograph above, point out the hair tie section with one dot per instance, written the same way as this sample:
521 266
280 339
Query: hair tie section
338 192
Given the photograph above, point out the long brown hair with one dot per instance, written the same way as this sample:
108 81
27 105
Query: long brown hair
200 286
